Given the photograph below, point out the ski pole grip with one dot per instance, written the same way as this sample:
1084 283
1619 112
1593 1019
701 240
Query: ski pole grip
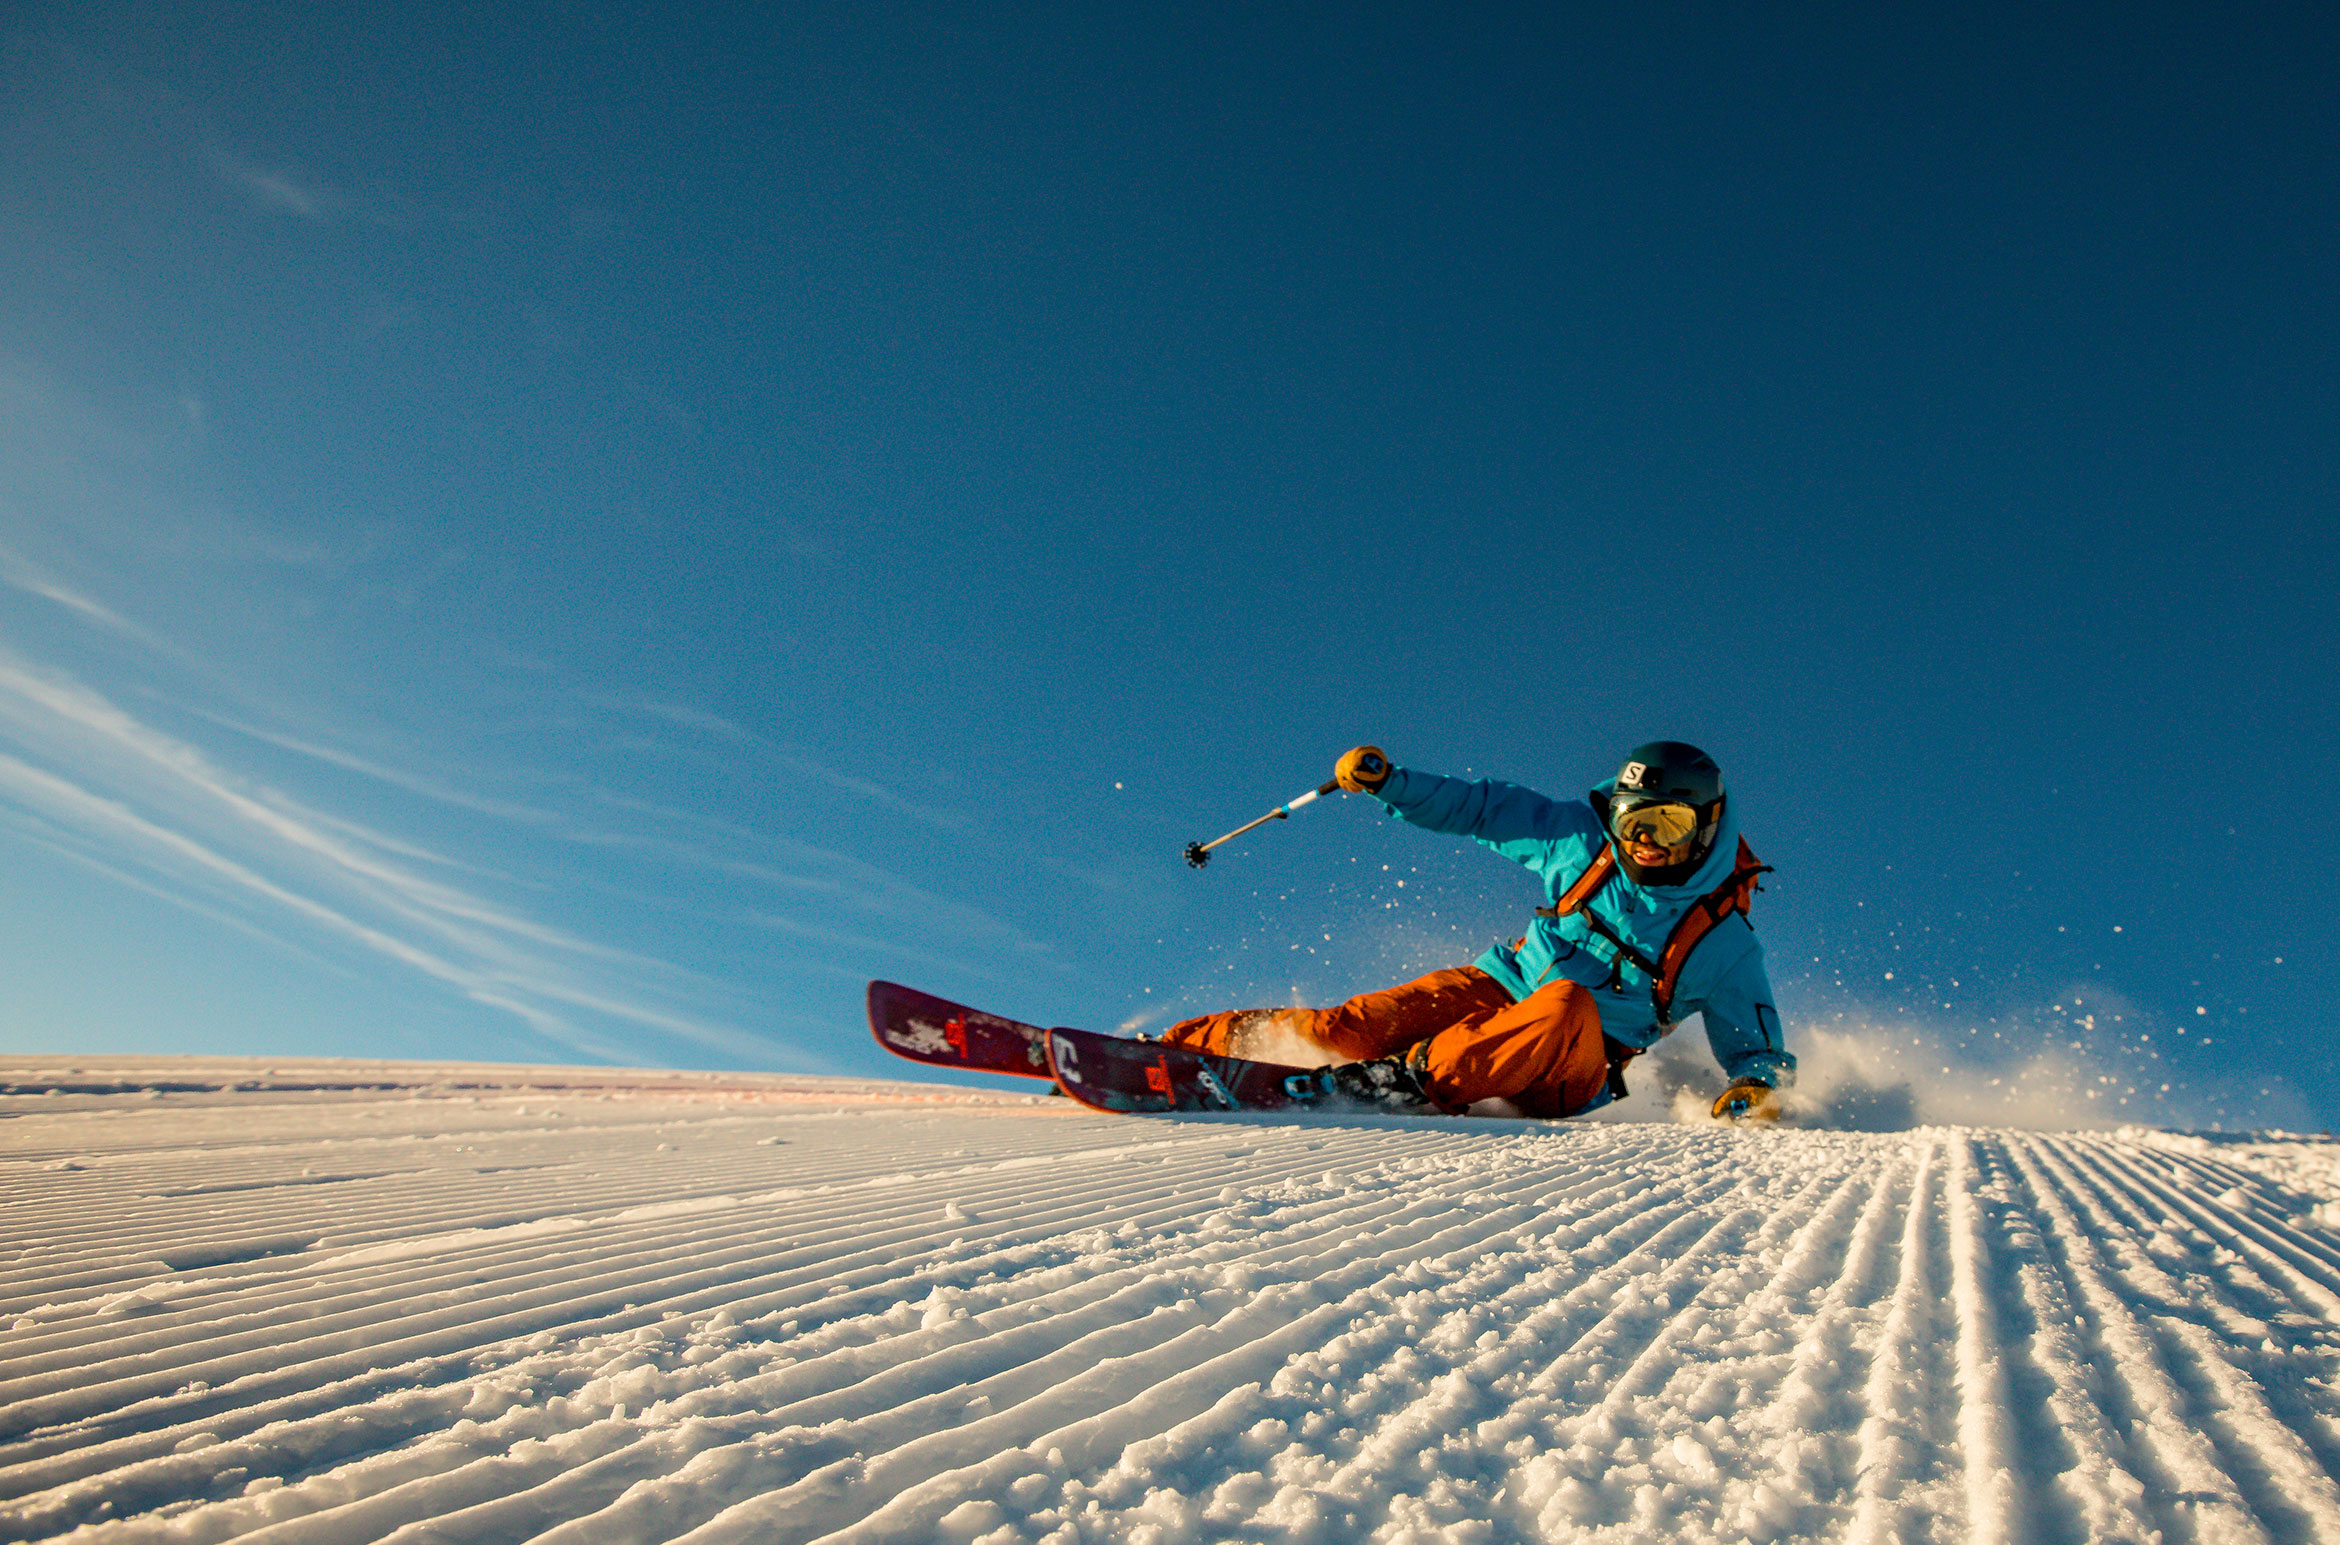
1362 770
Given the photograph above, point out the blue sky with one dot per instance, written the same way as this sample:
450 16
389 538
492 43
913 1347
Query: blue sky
569 537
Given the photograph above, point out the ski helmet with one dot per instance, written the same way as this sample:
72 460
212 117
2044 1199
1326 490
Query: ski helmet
1677 791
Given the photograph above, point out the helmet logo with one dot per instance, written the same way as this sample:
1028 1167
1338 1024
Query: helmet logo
1637 775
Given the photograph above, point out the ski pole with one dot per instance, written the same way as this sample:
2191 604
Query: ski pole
1199 853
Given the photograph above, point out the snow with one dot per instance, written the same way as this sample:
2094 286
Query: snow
326 1302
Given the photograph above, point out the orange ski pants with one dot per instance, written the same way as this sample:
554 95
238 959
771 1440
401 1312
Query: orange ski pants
1542 1052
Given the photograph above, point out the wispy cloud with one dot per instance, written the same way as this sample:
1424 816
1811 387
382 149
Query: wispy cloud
909 917
89 777
149 800
75 847
715 726
28 577
538 883
437 789
288 192
83 509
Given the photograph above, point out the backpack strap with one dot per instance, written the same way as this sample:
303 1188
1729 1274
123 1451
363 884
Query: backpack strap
1705 914
1618 1054
1573 900
1580 890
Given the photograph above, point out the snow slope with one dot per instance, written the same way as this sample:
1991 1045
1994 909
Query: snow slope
333 1302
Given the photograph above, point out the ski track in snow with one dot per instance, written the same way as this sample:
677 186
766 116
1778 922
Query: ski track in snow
340 1302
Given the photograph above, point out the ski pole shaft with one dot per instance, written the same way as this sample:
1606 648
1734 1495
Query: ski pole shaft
1199 853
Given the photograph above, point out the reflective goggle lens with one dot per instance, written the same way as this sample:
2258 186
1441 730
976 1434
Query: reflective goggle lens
1660 825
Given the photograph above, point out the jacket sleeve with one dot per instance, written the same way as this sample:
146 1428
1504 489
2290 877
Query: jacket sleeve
1742 1025
1518 823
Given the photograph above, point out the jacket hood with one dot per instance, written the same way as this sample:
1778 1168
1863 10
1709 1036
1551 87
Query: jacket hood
1711 872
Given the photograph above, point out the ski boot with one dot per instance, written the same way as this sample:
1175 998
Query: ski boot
1747 1100
1392 1084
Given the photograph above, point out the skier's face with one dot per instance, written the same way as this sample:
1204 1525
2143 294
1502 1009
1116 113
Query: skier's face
1650 856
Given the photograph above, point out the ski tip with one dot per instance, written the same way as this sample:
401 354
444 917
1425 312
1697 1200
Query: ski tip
885 1000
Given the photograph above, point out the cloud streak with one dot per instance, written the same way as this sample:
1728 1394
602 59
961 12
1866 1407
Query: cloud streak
21 574
716 727
413 783
793 867
504 887
305 198
149 800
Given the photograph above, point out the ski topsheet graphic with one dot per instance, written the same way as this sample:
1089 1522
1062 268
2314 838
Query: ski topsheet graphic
1103 1071
1120 1075
924 1028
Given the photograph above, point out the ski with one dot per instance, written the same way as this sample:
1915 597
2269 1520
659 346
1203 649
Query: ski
943 1034
1125 1076
1105 1072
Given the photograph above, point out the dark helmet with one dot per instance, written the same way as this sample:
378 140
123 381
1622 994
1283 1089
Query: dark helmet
1660 774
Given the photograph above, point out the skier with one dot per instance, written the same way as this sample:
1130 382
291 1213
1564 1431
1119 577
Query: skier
1648 883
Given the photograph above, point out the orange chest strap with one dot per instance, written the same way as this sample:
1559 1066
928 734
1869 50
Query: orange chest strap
1702 917
1596 874
1734 896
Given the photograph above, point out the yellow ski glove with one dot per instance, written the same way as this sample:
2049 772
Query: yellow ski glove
1362 770
1750 1099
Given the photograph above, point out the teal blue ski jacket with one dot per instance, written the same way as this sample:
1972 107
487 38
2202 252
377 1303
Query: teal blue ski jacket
1724 981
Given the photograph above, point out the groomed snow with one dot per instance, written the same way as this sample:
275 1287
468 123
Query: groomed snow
340 1302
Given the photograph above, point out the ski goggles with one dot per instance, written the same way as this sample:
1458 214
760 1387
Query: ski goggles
1659 823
